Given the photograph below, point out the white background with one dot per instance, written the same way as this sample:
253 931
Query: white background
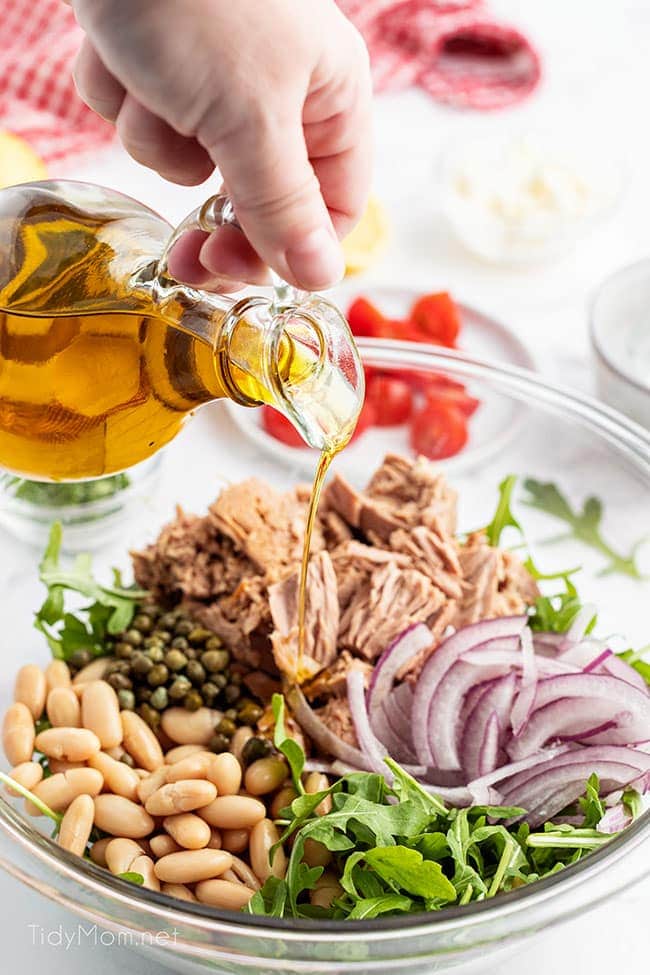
597 83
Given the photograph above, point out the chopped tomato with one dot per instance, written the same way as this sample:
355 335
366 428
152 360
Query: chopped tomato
392 400
364 319
367 418
423 382
467 404
280 428
438 430
437 318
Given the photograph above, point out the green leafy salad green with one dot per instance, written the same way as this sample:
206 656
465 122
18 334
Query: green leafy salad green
399 850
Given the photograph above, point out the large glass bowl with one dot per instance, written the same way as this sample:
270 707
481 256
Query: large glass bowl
587 449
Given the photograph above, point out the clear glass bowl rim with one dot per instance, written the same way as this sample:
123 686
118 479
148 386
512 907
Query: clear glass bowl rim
629 439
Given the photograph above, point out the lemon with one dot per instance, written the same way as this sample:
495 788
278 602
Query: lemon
368 240
18 161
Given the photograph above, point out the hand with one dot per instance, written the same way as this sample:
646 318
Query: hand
276 94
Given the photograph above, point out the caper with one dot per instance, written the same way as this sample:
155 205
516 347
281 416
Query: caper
126 699
149 715
184 627
227 727
215 660
175 659
191 653
256 748
220 680
159 699
134 637
80 658
214 643
142 693
152 641
127 760
122 650
209 692
168 621
192 700
195 671
121 667
157 676
141 664
180 643
236 679
120 682
179 688
231 693
231 714
142 622
156 654
199 635
250 713
162 636
219 743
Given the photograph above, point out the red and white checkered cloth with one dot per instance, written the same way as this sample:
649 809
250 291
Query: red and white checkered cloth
451 48
38 43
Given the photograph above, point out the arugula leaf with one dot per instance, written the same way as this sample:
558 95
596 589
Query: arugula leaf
590 804
633 801
132 877
271 900
555 614
584 525
289 747
405 869
406 787
370 907
110 613
503 516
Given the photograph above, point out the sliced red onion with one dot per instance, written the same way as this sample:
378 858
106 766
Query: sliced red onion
372 749
396 747
523 704
405 648
577 686
456 796
557 721
572 755
446 705
513 658
319 733
579 626
489 752
497 700
437 666
596 662
589 737
615 819
586 655
398 707
542 788
478 787
315 765
621 669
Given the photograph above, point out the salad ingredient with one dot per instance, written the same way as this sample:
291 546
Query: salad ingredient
584 524
224 894
190 866
122 817
46 494
365 244
69 744
59 790
27 774
140 742
391 398
63 708
76 825
438 430
18 734
30 689
279 427
436 317
100 712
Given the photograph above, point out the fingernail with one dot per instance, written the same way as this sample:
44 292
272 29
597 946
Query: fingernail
317 261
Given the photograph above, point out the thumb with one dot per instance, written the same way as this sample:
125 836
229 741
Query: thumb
278 202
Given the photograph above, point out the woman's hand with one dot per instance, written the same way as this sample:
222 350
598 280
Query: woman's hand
276 94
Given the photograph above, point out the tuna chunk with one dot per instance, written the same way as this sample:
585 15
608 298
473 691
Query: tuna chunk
435 556
243 621
321 620
266 526
382 607
336 715
403 493
495 582
190 560
331 682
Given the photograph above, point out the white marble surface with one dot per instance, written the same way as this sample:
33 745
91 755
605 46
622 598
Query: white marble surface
598 82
